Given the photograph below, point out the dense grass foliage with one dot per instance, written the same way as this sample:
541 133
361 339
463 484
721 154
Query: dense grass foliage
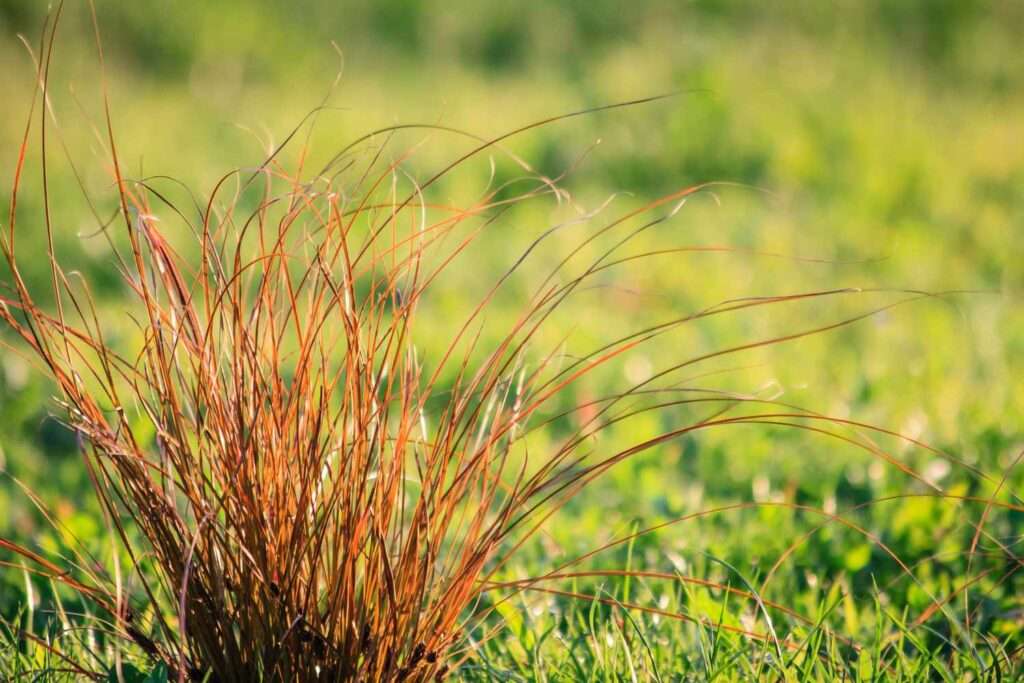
872 147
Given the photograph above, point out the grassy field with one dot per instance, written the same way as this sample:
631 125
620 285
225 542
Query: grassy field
872 149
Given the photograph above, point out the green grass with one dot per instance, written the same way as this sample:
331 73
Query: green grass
553 639
887 135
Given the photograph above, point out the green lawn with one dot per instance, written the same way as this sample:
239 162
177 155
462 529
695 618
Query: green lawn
875 148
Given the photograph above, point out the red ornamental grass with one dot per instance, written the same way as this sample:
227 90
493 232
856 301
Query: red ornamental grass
315 498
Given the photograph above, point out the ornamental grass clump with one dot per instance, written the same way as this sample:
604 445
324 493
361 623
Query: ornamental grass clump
303 493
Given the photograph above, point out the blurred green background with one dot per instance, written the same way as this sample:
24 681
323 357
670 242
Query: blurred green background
874 144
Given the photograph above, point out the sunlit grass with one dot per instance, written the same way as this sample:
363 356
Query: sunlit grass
862 197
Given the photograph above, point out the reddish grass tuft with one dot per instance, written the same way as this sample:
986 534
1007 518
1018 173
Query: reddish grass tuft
316 500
